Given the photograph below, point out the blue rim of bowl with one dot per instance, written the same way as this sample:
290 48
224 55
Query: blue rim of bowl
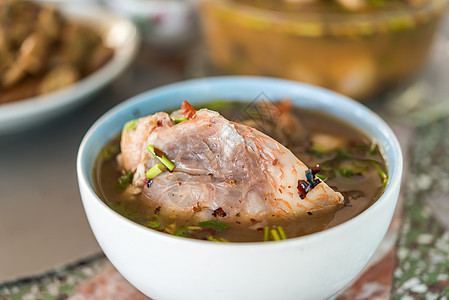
395 170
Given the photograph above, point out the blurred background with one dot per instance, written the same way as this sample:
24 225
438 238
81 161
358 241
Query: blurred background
64 63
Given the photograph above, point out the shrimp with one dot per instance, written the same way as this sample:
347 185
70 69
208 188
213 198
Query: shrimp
222 169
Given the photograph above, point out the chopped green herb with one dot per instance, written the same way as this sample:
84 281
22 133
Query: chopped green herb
322 177
377 3
216 225
381 172
130 125
282 233
359 165
275 235
122 208
319 150
183 231
154 171
220 240
161 158
266 233
180 120
124 180
342 153
355 168
154 224
346 170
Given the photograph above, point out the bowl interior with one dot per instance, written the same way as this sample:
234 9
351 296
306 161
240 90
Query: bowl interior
246 89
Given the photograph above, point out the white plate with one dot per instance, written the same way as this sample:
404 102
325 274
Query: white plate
119 34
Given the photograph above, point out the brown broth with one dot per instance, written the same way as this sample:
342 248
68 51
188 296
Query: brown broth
360 190
321 6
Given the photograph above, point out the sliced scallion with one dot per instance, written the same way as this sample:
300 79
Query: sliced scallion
194 228
161 158
171 228
322 177
154 224
319 150
154 171
282 233
275 235
266 234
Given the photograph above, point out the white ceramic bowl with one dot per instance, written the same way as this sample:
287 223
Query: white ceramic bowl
315 266
162 23
118 33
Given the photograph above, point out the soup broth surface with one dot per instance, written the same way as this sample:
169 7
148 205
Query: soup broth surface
349 161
